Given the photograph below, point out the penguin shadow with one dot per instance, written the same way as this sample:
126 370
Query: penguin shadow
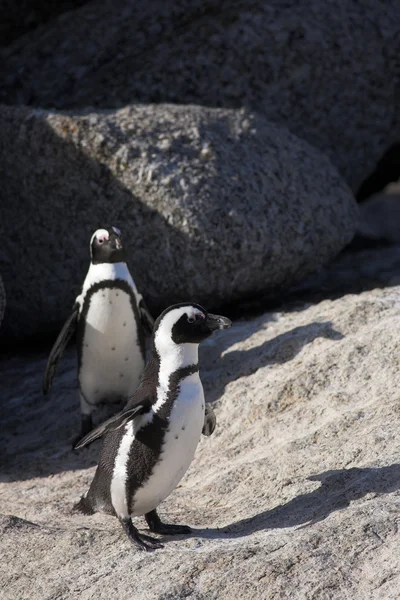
222 367
338 488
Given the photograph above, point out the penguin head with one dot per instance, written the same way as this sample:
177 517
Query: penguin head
186 323
106 246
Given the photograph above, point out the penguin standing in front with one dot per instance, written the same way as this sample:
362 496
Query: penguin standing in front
151 443
109 318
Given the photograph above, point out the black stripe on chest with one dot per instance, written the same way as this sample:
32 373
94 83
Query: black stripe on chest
108 284
149 440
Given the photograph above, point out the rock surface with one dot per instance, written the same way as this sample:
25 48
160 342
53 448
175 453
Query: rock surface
380 216
296 495
2 299
329 71
20 16
214 204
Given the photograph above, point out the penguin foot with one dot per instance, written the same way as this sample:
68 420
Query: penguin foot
139 540
156 526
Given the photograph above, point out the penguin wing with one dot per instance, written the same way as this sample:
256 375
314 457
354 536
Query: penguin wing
133 409
146 317
210 420
58 349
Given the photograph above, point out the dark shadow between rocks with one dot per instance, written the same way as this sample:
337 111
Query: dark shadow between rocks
386 171
353 271
337 490
279 350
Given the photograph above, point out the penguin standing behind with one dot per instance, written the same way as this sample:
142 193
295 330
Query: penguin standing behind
151 443
109 317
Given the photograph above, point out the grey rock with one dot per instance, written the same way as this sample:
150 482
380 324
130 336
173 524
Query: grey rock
215 205
295 495
329 71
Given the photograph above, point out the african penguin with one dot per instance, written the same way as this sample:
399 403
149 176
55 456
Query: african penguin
151 443
109 317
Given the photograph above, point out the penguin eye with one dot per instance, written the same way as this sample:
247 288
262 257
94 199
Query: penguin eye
196 317
101 239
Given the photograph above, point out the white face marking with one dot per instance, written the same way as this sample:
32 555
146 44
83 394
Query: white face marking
173 356
100 233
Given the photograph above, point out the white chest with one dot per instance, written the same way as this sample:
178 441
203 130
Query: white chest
111 358
180 443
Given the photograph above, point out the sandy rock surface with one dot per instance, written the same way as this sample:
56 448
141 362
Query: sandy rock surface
329 71
296 495
213 204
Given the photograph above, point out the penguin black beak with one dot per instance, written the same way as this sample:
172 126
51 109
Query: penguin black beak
116 243
217 322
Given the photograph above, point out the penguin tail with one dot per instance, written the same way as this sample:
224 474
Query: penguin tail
84 506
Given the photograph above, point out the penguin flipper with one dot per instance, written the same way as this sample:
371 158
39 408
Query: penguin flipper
112 424
146 317
210 420
58 349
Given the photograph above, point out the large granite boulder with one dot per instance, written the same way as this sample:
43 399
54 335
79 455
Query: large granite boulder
329 71
295 496
215 205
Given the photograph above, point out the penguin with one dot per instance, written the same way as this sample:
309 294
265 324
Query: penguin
110 319
149 445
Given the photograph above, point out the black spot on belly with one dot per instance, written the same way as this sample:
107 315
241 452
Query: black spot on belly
121 374
113 348
110 301
126 357
183 428
124 323
176 437
117 294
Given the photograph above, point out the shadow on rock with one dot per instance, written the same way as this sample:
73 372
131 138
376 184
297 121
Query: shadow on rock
36 430
281 349
337 490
